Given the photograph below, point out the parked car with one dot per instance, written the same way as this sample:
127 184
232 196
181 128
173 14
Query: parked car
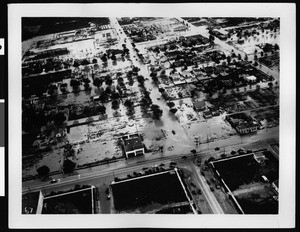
53 181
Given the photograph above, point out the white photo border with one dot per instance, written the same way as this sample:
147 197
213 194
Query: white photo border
287 15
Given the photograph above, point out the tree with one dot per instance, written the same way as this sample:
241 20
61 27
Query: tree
156 112
76 64
101 109
146 102
108 80
211 38
68 166
113 57
161 90
153 74
126 50
43 171
59 118
155 79
120 80
86 80
95 61
270 84
228 59
115 95
103 97
134 69
115 104
173 110
276 47
170 104
74 83
128 103
141 79
97 82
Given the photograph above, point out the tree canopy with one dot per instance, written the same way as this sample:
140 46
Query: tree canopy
43 171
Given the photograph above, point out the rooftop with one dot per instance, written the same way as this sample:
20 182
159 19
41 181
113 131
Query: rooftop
199 104
30 202
133 143
251 78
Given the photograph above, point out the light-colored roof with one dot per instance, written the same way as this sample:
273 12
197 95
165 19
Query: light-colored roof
252 78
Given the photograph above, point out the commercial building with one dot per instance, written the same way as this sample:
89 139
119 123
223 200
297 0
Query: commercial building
32 203
133 145
243 123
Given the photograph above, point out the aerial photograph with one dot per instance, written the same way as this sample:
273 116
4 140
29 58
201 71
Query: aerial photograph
150 115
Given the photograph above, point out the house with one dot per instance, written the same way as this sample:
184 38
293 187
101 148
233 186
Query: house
199 105
251 79
242 123
133 145
244 128
207 114
241 41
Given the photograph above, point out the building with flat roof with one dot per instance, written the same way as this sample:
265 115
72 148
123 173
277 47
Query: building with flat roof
133 145
32 203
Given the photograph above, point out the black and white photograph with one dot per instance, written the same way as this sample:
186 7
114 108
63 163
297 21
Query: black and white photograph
151 114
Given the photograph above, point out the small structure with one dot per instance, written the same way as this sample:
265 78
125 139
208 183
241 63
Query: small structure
259 157
207 114
246 129
199 105
251 79
243 123
133 145
241 41
275 185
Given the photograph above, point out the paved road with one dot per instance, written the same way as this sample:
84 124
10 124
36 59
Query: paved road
210 197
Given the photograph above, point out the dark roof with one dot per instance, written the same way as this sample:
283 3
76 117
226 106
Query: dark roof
199 104
30 201
132 144
207 113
